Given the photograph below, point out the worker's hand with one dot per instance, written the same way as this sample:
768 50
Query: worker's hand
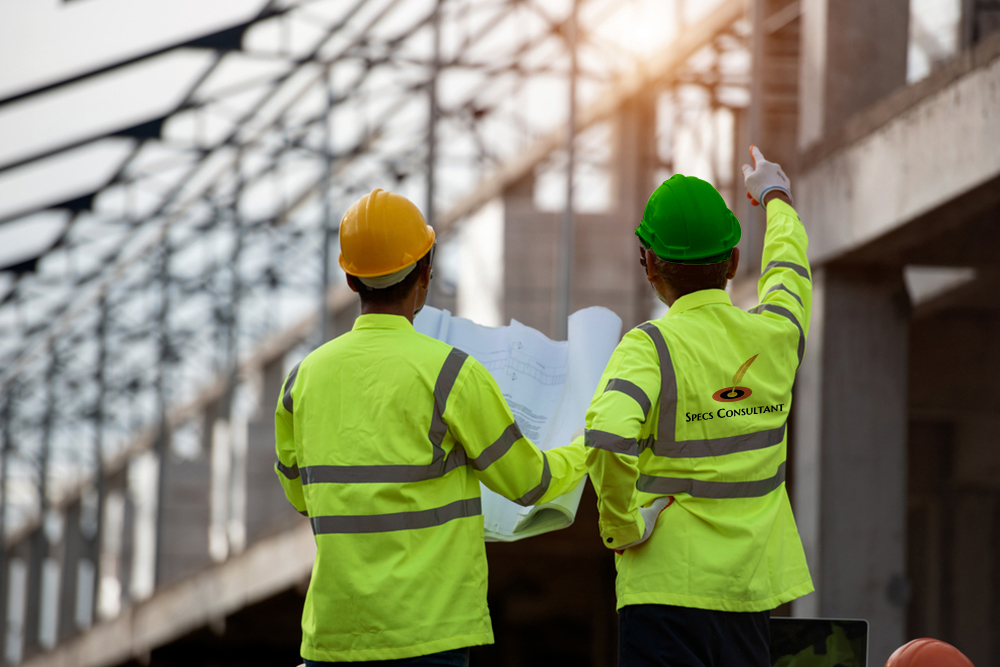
764 177
649 517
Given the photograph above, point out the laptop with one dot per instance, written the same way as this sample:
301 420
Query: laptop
819 642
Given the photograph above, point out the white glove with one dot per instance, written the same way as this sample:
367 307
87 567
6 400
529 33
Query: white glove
764 177
649 516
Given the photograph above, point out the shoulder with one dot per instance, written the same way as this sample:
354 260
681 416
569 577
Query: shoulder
642 341
646 334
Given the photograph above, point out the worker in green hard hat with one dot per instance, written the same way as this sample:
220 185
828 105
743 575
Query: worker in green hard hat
687 433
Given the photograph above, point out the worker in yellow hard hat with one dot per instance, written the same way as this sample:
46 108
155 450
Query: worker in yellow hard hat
687 433
383 436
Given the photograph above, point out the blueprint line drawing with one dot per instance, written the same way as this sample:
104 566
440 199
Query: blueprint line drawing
547 384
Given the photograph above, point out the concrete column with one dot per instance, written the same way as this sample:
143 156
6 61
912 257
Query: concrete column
633 162
771 122
72 555
853 54
529 257
851 451
39 553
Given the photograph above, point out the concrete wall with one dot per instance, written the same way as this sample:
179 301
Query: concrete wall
937 148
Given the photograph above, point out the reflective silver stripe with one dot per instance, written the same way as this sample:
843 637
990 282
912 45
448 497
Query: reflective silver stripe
442 387
532 497
610 442
502 445
384 523
784 312
388 474
781 287
668 386
632 390
697 488
286 398
691 449
797 268
291 472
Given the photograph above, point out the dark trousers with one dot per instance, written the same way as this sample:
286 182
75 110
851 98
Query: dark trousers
457 658
654 635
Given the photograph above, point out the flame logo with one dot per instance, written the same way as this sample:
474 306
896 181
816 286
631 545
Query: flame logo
736 392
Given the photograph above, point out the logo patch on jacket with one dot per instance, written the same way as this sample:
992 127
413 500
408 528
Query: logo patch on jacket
735 392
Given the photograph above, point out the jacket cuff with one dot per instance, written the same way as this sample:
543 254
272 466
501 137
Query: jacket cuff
620 536
778 206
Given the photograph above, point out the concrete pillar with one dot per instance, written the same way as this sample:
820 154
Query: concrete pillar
771 122
38 555
72 555
633 163
5 592
185 518
114 569
853 54
851 451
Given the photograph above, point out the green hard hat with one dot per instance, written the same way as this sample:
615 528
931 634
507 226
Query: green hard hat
687 222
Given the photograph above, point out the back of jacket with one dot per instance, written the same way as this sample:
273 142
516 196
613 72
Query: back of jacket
383 435
695 406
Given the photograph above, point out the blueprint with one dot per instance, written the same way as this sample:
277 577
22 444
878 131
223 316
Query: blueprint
548 385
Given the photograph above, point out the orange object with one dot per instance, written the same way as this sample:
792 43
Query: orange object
382 233
928 653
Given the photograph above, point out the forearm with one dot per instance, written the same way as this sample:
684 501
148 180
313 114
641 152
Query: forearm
614 477
777 194
567 466
286 467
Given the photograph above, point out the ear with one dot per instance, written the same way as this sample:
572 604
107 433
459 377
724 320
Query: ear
734 263
425 276
650 263
350 283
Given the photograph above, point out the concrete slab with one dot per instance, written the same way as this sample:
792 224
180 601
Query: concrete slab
934 150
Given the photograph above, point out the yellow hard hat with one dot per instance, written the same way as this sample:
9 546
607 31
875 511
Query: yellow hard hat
382 233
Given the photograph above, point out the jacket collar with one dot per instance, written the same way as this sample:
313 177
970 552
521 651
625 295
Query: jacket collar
697 300
377 321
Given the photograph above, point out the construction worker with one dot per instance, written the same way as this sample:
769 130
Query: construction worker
690 420
383 435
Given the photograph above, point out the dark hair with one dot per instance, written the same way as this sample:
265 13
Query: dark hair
393 293
688 278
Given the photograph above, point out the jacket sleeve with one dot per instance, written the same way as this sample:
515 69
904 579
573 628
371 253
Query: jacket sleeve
785 287
286 466
504 460
625 399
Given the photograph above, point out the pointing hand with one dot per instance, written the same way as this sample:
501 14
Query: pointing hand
764 177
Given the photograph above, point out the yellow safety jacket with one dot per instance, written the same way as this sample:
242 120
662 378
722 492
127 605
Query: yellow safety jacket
695 406
383 435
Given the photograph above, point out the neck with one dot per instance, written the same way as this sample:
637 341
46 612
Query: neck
404 309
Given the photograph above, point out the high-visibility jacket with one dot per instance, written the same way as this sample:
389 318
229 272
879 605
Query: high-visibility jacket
383 435
672 417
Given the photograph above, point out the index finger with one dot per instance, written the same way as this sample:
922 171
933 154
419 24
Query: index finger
756 155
